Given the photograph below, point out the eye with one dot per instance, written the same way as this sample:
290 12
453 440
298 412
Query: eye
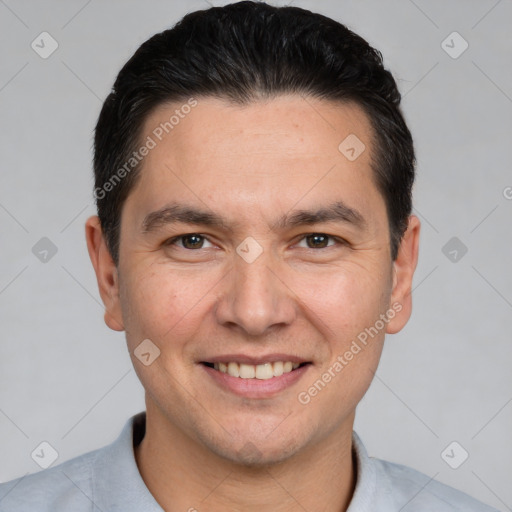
317 241
189 241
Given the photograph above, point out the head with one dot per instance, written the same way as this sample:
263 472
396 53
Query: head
273 139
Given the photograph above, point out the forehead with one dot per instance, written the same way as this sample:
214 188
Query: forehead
290 124
265 153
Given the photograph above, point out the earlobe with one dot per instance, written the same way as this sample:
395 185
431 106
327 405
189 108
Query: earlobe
403 273
112 322
106 273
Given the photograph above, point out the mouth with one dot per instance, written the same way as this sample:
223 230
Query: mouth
262 371
256 378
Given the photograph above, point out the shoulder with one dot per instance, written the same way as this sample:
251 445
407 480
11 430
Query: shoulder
415 491
105 479
389 487
67 486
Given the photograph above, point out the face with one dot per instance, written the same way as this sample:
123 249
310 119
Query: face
254 255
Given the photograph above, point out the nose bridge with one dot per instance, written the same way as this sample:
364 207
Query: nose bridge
255 299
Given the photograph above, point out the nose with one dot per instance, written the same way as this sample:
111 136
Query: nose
255 298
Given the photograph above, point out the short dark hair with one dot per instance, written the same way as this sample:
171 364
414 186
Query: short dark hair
243 52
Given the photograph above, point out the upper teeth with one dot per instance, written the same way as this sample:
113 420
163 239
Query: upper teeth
256 371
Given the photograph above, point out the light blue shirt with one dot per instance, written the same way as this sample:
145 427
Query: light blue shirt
107 480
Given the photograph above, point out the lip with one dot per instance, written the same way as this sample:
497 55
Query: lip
245 359
256 388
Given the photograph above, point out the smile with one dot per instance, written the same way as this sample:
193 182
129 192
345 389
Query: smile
255 371
258 378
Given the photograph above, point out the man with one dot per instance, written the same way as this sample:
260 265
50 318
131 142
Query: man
255 241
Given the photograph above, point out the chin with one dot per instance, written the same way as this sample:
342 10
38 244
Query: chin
252 455
257 450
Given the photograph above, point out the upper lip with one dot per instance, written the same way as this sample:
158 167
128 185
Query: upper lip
255 360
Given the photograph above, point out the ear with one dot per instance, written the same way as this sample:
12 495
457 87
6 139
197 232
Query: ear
403 272
106 273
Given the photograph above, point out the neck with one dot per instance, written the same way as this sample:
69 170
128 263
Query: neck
182 474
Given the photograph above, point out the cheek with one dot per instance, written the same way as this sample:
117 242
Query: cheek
155 304
345 310
344 301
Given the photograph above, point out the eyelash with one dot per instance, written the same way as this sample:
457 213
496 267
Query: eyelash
339 241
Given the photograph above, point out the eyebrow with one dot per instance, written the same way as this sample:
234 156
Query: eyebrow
335 212
174 213
182 213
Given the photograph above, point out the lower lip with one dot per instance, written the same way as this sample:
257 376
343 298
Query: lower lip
256 388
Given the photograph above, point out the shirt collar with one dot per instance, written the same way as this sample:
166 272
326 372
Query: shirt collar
364 497
118 485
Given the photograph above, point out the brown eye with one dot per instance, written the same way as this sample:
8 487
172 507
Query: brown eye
192 241
188 241
317 240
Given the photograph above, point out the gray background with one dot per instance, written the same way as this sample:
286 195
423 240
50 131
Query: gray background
66 379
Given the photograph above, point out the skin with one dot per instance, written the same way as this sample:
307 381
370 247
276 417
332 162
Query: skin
205 447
